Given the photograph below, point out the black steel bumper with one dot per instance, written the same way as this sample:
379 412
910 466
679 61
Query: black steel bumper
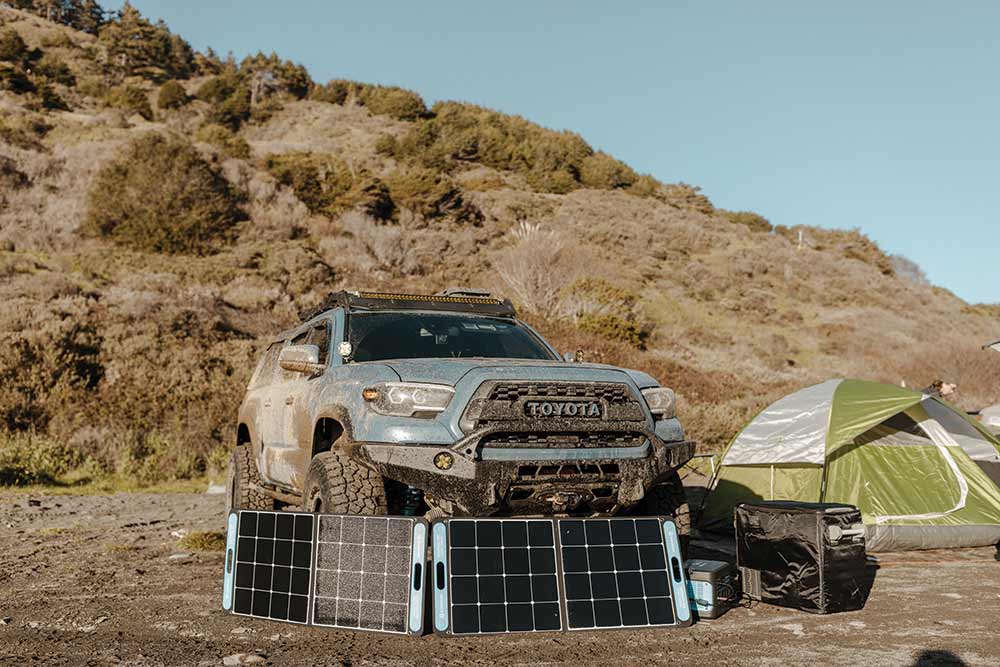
485 481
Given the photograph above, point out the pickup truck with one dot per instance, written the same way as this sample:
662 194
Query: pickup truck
448 403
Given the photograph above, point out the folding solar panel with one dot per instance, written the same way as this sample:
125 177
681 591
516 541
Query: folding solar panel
344 571
531 575
622 573
495 575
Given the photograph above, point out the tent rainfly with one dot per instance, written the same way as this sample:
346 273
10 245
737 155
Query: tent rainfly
923 474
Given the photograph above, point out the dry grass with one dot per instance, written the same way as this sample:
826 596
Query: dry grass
200 540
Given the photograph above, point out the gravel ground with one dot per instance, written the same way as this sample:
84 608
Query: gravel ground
101 580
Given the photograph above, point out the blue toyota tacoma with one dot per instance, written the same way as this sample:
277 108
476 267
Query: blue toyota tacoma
449 404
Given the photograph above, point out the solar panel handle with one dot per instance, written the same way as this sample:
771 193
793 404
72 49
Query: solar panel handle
675 565
440 575
418 572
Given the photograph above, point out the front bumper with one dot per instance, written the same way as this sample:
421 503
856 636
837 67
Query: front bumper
488 481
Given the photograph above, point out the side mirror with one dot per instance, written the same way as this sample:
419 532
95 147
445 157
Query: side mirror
300 359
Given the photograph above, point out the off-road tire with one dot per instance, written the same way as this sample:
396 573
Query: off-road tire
668 499
337 484
241 477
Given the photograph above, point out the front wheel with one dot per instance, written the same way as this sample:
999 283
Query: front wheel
338 484
242 483
668 499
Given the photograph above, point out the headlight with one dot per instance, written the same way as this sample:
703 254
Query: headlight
661 401
408 399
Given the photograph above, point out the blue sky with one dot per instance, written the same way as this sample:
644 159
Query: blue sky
882 116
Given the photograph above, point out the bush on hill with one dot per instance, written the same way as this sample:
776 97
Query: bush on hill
754 221
55 70
229 143
431 195
161 196
172 96
320 181
130 99
550 161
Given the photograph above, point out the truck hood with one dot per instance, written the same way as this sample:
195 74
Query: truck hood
451 371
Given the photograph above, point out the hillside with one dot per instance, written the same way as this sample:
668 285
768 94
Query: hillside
163 211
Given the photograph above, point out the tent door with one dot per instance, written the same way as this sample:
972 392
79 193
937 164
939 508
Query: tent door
943 442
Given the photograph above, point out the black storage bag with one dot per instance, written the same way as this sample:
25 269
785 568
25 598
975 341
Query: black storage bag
808 556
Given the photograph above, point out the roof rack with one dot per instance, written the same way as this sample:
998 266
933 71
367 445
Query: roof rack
459 301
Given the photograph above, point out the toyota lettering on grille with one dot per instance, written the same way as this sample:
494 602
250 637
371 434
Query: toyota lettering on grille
578 409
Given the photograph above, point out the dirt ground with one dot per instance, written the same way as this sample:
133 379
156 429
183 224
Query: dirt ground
100 580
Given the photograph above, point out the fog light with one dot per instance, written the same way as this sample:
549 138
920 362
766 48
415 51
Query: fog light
444 461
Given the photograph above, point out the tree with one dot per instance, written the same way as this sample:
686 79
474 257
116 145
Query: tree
138 47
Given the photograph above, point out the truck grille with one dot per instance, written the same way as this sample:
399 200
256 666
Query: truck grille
502 402
610 392
563 440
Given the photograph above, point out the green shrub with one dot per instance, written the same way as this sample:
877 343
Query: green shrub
373 197
161 196
333 92
321 182
42 368
58 40
280 75
12 47
26 458
216 89
645 186
152 457
11 178
550 161
93 86
233 111
51 99
24 131
684 196
607 310
130 99
431 194
613 327
386 145
229 143
200 540
604 172
15 80
754 221
391 101
55 70
172 96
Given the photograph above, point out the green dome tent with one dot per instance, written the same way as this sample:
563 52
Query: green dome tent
919 470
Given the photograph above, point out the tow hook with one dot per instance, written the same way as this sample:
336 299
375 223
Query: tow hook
563 500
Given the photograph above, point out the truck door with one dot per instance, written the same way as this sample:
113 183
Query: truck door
290 462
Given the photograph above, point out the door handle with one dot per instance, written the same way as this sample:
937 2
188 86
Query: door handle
289 400
267 403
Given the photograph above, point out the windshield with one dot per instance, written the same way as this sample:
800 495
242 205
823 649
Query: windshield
376 336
